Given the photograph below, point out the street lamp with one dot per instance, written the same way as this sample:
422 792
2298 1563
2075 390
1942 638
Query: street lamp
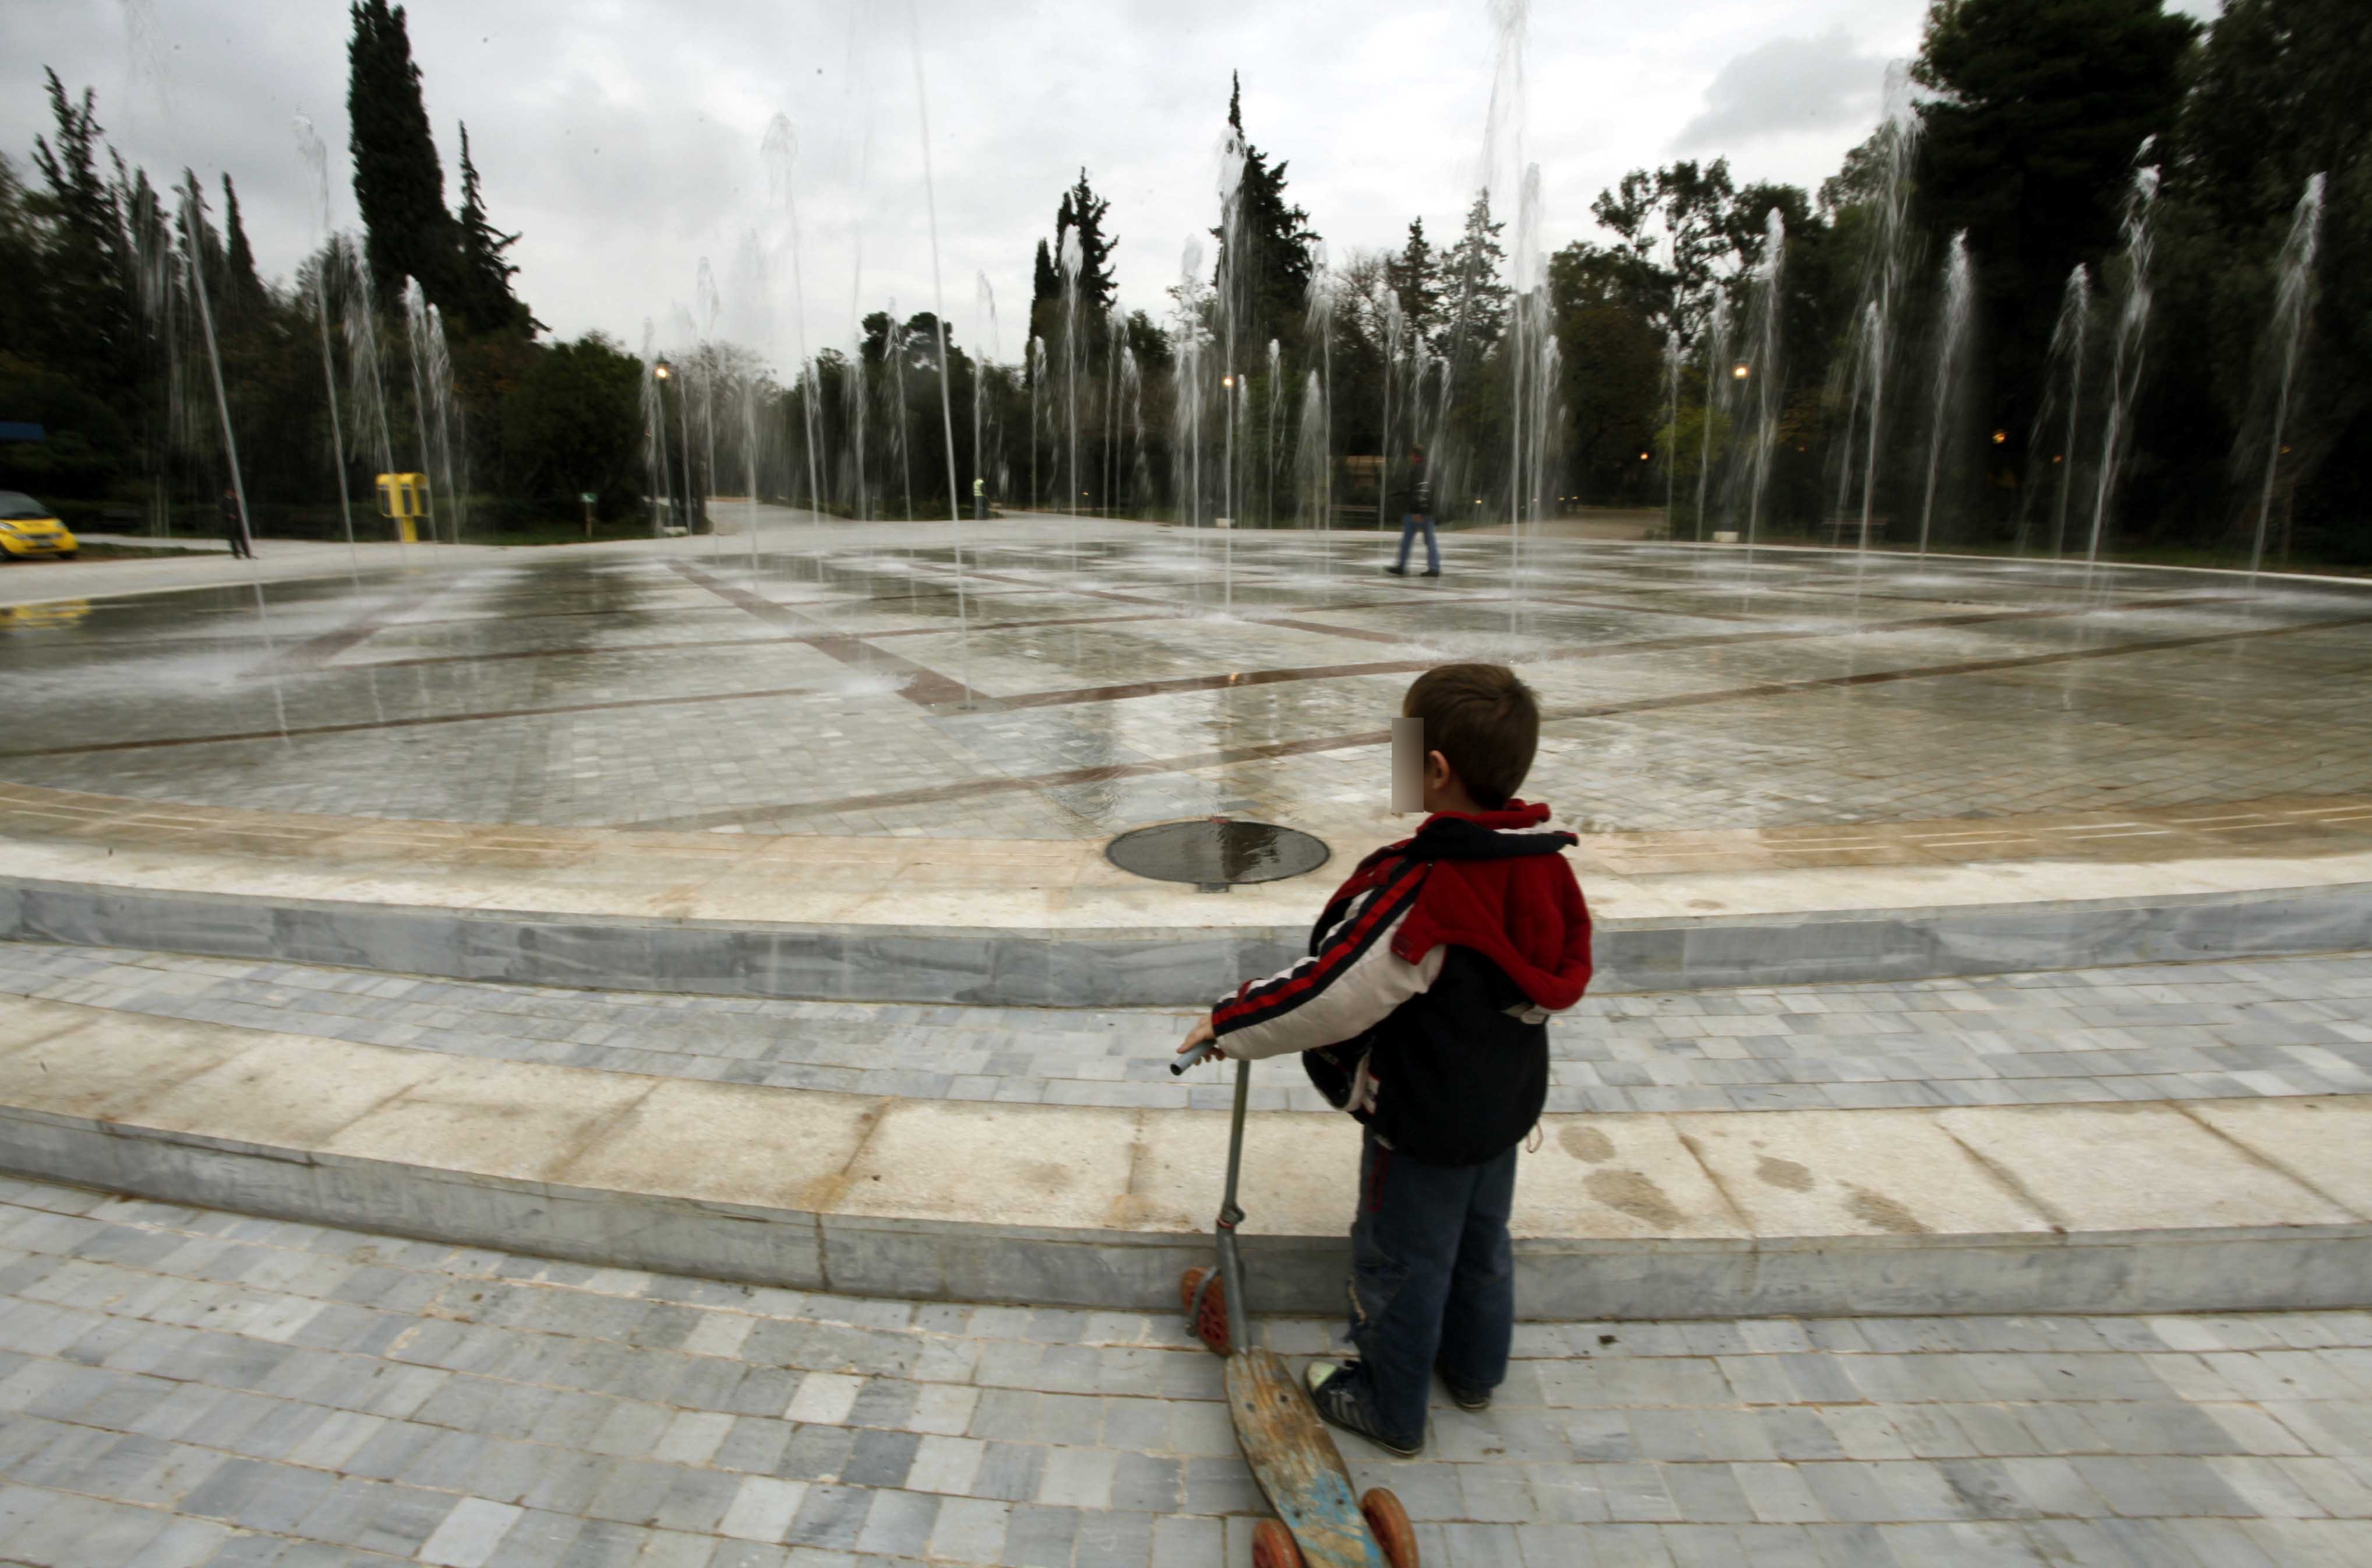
663 372
1741 371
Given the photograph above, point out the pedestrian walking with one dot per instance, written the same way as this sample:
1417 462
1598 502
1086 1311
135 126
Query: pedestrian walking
1417 513
235 525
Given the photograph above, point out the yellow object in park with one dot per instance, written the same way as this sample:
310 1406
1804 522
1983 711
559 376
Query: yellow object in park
405 498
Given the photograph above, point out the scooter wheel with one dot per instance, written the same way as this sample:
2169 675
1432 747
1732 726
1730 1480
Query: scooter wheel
1272 1545
1389 1523
1210 1321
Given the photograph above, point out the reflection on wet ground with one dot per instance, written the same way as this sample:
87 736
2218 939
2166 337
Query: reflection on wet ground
1140 675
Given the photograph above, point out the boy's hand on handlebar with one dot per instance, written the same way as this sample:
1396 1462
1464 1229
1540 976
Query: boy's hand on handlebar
1201 1034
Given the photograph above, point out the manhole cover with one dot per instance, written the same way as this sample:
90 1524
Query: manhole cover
1216 852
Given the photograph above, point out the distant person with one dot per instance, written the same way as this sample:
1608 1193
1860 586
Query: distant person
1423 1010
1417 513
235 525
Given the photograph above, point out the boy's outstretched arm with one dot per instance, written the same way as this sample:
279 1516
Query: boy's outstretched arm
1340 992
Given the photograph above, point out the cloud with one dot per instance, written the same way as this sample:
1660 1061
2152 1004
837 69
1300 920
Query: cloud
1785 86
622 138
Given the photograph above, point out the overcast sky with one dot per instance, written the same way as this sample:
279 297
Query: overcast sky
622 137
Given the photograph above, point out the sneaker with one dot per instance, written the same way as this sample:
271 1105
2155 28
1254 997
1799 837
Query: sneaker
1464 1397
1340 1392
1434 572
1397 571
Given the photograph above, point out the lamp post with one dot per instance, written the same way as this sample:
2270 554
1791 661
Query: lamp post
665 372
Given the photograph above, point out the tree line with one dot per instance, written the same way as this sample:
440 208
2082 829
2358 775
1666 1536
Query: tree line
2027 126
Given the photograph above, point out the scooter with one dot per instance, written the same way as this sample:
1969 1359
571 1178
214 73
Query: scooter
1321 1522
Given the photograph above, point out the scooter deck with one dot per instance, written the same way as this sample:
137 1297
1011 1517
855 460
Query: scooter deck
1296 1463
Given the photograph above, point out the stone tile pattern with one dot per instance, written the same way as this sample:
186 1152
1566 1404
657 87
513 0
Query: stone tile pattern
621 692
2170 1031
180 1388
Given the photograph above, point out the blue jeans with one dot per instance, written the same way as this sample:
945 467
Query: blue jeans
1408 524
1432 1278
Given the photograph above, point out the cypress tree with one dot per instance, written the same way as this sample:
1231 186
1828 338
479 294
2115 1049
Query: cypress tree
1274 286
1416 275
239 288
399 182
484 298
1045 282
1477 304
1084 210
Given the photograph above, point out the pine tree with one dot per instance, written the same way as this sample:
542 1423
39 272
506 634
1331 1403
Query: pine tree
483 299
399 182
1476 309
88 328
1273 286
1416 276
238 289
1084 210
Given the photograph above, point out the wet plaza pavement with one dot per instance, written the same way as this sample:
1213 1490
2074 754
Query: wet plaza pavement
1095 676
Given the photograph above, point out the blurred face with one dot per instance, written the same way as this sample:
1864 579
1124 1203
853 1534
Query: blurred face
1408 764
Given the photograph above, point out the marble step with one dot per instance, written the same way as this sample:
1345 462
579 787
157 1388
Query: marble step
2137 1207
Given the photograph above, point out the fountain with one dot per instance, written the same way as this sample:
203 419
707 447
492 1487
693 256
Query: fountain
2130 348
2065 366
1716 383
317 159
1959 305
1767 374
1067 265
2292 295
1874 326
1670 442
1320 320
939 326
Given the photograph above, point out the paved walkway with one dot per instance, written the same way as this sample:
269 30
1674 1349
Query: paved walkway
179 1387
2171 1031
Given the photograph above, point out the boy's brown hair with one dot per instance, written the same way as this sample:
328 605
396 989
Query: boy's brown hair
1483 721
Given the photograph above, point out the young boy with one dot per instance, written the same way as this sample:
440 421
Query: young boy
1423 1009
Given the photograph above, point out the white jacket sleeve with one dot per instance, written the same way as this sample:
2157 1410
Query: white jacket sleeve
1349 985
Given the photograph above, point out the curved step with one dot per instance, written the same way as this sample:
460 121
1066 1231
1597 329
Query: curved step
2082 1208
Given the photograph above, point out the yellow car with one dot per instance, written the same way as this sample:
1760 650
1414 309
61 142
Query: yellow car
28 529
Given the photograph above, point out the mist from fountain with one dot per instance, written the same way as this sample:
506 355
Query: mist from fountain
1275 400
1953 341
2292 300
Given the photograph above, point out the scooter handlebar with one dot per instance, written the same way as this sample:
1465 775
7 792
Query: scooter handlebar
1193 1058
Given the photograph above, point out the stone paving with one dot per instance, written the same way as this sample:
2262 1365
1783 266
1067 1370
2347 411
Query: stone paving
1117 674
2158 1032
183 1387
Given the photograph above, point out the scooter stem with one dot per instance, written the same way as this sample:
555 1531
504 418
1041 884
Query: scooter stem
1230 1267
